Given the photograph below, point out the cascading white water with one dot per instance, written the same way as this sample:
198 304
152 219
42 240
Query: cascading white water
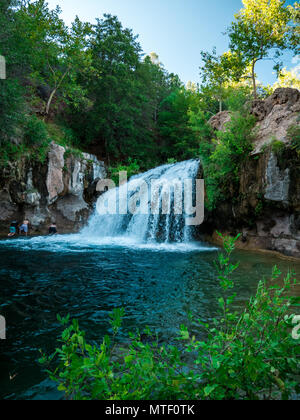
149 208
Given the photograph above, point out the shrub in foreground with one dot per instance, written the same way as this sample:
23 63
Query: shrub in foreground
248 355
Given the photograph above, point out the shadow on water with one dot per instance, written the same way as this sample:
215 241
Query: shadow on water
157 286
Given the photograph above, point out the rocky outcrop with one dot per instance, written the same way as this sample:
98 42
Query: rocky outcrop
275 116
266 208
63 190
55 176
218 122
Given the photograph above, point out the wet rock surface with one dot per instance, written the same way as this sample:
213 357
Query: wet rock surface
63 189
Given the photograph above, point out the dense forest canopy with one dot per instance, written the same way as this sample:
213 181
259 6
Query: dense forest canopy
91 87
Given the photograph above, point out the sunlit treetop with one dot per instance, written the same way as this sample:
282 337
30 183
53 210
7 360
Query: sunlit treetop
264 29
219 71
288 79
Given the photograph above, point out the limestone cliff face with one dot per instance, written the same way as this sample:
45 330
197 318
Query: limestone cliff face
63 190
266 209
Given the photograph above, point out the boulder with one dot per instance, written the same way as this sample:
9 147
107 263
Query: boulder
56 162
275 116
218 122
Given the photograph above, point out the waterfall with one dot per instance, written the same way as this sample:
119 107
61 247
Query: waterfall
148 208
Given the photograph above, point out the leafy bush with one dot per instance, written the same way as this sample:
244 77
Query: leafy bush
63 136
294 137
223 156
36 133
277 147
33 141
11 152
11 110
133 168
71 151
36 138
237 98
240 356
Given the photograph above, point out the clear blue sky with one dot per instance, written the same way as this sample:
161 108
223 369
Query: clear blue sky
177 30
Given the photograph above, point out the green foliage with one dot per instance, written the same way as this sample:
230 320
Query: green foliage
63 135
251 356
35 145
226 153
237 98
11 110
277 147
234 143
295 26
119 94
294 137
11 152
218 71
243 356
71 151
259 209
96 91
175 131
35 132
36 138
55 54
261 28
133 168
171 161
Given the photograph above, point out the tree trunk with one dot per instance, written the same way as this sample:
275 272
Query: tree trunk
55 90
50 101
254 80
220 105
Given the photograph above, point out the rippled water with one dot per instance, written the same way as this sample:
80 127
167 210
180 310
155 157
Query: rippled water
157 284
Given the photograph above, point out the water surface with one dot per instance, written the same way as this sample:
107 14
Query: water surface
157 284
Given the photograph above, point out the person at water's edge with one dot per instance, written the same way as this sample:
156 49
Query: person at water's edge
53 229
24 227
13 228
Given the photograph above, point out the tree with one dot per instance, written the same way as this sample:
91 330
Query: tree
175 131
115 91
262 27
218 71
295 27
11 41
73 60
158 83
125 94
11 92
55 53
288 79
155 58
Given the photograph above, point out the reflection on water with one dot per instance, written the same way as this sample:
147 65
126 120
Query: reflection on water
157 284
